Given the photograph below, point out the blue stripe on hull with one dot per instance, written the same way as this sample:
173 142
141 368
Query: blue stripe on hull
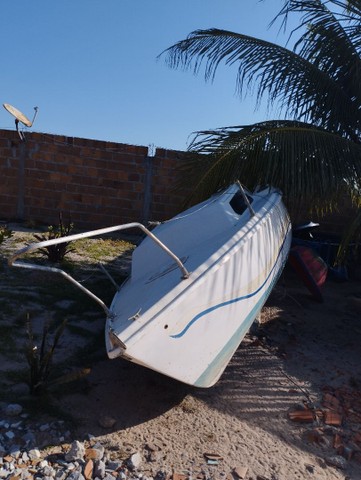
210 375
229 302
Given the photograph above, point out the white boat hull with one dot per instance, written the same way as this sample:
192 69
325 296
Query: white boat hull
190 328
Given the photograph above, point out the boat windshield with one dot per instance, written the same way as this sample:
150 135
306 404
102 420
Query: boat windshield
238 204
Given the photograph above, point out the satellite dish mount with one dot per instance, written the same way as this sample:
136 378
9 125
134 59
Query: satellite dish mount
20 117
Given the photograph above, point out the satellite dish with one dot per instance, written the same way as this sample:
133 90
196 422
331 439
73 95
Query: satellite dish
20 117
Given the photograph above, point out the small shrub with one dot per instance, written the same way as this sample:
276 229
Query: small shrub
40 359
5 233
56 253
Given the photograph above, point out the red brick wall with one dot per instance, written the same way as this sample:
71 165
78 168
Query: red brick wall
9 166
97 183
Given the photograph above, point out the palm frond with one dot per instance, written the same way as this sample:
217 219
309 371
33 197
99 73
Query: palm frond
352 233
300 88
309 164
330 41
313 158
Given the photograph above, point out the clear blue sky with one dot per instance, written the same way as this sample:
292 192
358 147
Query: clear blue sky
91 68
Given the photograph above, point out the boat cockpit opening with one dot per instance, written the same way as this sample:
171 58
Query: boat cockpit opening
238 203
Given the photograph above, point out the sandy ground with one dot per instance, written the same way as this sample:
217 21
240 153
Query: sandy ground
300 351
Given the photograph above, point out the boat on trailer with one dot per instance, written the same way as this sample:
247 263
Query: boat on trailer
197 283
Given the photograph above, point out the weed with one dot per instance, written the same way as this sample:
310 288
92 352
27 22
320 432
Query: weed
40 360
56 253
5 233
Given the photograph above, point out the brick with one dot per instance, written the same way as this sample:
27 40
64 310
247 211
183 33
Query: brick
331 402
302 416
240 472
179 476
338 443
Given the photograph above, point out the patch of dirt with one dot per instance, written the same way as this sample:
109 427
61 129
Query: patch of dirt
298 351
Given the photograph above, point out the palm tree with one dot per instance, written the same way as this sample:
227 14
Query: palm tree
314 154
